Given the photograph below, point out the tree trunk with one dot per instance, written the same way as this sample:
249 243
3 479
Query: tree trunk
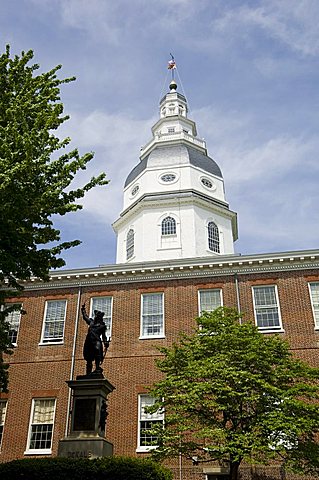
234 470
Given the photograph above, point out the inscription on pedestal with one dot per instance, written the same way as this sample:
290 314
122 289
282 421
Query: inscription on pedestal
84 414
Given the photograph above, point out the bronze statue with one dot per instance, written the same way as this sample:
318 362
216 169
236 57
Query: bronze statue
93 349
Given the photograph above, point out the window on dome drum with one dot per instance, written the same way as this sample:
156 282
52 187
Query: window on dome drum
130 244
13 318
152 321
266 307
314 295
146 422
169 226
209 300
41 426
135 190
213 237
168 177
103 304
207 183
3 409
54 319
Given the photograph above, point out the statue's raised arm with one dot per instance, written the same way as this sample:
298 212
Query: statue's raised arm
84 314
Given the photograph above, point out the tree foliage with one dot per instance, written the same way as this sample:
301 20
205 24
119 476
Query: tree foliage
36 170
233 394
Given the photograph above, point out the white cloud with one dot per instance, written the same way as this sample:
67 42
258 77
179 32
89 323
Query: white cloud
294 22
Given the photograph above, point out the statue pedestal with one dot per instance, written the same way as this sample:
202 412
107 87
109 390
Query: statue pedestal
89 412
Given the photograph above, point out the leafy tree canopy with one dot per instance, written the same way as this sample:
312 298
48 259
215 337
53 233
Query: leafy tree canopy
233 394
36 171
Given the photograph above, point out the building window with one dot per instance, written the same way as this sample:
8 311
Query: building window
171 130
169 226
147 422
168 177
213 237
152 324
3 409
104 304
266 306
209 300
135 190
54 319
41 426
130 244
13 318
314 295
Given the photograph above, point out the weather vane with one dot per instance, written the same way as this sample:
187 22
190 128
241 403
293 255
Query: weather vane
172 65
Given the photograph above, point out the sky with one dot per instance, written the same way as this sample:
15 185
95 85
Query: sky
250 72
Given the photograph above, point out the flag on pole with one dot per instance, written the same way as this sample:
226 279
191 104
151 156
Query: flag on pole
171 64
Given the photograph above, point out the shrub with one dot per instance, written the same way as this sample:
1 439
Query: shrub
111 468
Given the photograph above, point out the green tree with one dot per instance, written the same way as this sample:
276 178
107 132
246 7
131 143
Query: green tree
232 394
36 171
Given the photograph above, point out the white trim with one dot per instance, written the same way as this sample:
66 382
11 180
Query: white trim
34 451
271 329
146 448
160 335
58 341
205 290
5 401
15 344
312 304
91 309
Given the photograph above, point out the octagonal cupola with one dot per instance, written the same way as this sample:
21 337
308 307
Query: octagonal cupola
174 200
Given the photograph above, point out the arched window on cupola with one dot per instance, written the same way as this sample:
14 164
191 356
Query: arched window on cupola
169 226
130 244
213 237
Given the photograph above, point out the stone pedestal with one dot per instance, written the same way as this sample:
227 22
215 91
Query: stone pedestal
89 413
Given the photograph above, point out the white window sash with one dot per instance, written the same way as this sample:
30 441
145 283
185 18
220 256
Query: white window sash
314 302
147 322
202 292
263 308
46 422
14 319
95 304
146 418
3 413
53 324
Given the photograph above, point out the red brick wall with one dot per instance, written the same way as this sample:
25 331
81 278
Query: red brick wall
42 370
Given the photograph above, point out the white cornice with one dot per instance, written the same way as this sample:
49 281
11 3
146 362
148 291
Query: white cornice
180 269
188 197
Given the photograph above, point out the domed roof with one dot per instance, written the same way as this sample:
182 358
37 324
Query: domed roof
174 155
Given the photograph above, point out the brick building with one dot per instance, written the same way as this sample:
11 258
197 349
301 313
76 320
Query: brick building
175 258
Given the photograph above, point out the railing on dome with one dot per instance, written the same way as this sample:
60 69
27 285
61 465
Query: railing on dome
164 137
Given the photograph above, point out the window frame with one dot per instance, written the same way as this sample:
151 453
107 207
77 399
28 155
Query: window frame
213 242
315 308
59 341
2 419
268 329
130 248
39 451
108 332
162 328
172 222
200 310
154 417
9 320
